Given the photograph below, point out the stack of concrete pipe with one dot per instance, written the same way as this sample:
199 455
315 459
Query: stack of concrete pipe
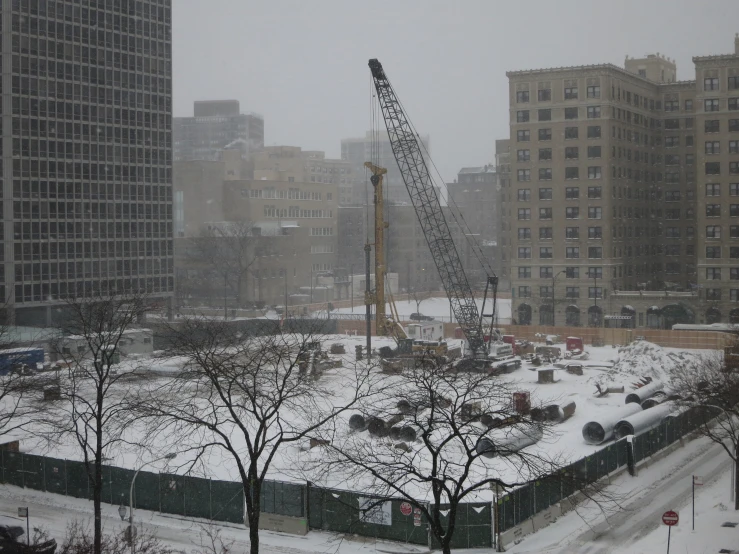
556 413
508 441
643 421
596 432
647 391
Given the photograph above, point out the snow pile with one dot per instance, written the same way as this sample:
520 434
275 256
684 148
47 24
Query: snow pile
646 359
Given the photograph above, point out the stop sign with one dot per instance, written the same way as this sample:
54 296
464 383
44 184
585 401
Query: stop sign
670 518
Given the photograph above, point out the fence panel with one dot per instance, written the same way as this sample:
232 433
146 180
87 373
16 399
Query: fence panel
286 499
146 491
197 497
77 481
471 526
13 468
591 468
524 500
120 485
227 501
172 493
506 513
33 472
55 471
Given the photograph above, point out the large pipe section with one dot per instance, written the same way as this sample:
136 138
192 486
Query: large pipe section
643 421
509 442
596 432
642 393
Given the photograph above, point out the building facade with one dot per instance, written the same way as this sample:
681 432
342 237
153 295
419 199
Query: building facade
503 169
622 181
215 126
86 152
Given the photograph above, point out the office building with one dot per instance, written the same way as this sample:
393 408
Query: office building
86 153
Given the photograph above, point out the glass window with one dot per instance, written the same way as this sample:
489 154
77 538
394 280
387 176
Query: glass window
524 273
571 113
570 93
522 116
546 233
545 154
524 252
593 131
522 96
545 173
524 233
523 135
593 112
572 212
594 152
572 233
545 94
545 115
572 193
594 91
545 213
545 134
570 133
572 252
545 193
572 172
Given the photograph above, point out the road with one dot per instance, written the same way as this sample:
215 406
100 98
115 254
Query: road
642 512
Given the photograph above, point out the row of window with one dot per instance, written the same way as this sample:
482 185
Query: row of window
714 104
714 189
571 193
290 194
714 273
545 173
296 212
33 252
85 270
592 112
714 147
81 289
570 93
593 132
524 291
571 153
571 233
91 191
714 231
547 272
713 83
571 212
571 252
714 252
36 230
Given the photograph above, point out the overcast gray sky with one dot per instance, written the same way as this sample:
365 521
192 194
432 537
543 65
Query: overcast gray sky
303 64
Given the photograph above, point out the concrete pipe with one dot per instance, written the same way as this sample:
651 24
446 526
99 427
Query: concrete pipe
357 423
647 391
408 434
643 421
510 442
654 401
395 433
596 432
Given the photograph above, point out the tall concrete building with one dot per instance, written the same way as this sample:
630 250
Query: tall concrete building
369 148
611 204
86 152
503 169
217 125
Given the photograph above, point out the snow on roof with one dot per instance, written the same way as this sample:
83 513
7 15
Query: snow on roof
629 307
655 308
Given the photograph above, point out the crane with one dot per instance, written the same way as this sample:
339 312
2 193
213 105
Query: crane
425 200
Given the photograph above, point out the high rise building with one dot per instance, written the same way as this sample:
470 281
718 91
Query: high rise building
215 126
503 169
622 182
86 152
371 148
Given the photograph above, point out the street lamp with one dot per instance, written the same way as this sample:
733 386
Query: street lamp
554 279
122 509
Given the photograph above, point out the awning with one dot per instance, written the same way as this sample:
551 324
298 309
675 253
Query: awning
624 317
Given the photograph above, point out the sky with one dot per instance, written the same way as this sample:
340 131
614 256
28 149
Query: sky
302 64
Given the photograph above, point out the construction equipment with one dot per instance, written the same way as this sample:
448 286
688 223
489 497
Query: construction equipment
425 200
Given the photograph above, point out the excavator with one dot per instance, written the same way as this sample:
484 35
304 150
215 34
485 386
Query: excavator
484 351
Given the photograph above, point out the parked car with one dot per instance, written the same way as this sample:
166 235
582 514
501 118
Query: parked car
11 542
421 317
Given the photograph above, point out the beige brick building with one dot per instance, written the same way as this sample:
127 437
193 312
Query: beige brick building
622 181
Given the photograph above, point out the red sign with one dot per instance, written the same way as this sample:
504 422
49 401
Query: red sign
670 518
406 509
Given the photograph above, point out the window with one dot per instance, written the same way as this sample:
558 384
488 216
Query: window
672 105
734 147
545 154
545 115
523 155
595 212
522 96
595 233
545 213
733 125
595 192
545 94
524 195
593 91
672 196
546 272
524 292
545 173
570 133
672 250
593 112
572 272
672 159
572 252
713 189
545 193
570 93
713 210
712 126
546 233
572 292
688 105
572 172
595 252
713 273
572 152
713 168
734 210
572 233
734 252
595 292
546 252
733 83
713 252
522 116
595 273
689 140
572 193
524 252
571 113
524 273
672 142
733 168
733 104
572 212
734 273
524 214
713 231
545 292
524 175
672 177
689 159
713 294
545 134
711 104
594 172
710 83
673 213
713 147
593 131
672 124
523 135
594 152
524 233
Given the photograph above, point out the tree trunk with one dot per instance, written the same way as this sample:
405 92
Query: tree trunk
254 533
97 493
736 475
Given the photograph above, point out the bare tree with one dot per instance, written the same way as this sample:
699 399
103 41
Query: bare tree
436 439
249 398
78 540
709 385
419 296
93 410
222 256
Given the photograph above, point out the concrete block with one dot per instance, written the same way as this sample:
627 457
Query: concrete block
283 524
